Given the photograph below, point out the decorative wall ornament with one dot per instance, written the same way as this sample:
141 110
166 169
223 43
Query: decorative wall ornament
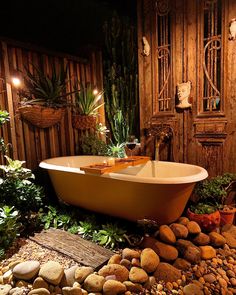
183 92
232 29
146 47
162 7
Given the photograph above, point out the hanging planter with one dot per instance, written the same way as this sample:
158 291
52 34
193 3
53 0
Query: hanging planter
41 116
84 122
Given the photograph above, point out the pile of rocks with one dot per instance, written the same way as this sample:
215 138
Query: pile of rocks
177 259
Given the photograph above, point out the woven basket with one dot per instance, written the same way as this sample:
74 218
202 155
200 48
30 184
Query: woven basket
40 116
84 122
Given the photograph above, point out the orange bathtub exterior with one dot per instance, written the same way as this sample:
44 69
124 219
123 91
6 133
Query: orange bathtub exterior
129 200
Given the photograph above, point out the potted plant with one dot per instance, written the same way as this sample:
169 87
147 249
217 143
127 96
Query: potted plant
43 100
210 198
87 103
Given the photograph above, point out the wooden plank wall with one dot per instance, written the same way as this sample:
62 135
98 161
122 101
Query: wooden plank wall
30 143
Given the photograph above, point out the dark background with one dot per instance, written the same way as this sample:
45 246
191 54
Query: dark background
61 25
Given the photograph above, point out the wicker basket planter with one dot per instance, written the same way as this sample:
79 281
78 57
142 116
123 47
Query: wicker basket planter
40 116
84 122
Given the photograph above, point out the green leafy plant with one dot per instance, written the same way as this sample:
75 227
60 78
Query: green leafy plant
88 227
4 117
202 208
9 226
116 150
93 145
87 100
43 89
111 235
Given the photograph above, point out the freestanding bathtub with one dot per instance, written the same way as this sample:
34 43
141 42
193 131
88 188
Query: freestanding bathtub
156 190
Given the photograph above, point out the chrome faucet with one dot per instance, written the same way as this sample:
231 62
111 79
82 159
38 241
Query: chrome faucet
161 133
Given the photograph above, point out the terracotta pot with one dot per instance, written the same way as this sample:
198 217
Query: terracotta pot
227 215
207 222
84 122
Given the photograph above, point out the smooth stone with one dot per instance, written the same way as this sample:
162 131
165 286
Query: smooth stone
4 289
192 289
94 283
40 283
150 282
68 278
82 272
26 270
210 278
40 291
113 287
120 271
193 227
182 264
230 240
126 263
130 253
166 234
201 239
179 230
115 259
138 275
17 291
71 291
183 220
167 273
52 272
167 252
217 240
133 287
149 260
207 252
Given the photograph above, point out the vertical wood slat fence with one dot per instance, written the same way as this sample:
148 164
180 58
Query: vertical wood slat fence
30 143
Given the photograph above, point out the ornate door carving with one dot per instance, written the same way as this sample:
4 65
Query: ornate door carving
189 41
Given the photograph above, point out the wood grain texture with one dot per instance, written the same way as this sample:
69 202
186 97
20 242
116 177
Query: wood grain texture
82 251
30 143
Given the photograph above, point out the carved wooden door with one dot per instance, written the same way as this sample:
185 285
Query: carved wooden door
189 41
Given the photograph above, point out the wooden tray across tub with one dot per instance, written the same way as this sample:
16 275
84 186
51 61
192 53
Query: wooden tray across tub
101 168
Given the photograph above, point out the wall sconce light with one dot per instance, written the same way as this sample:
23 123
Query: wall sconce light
16 82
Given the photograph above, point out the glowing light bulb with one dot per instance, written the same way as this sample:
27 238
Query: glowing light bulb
95 91
16 81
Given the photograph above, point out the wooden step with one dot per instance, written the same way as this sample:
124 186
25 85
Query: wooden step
82 251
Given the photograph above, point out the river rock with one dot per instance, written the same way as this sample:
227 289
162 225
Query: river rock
183 220
182 264
189 251
166 234
209 278
150 282
201 239
130 253
82 272
4 289
217 240
26 270
230 240
52 272
68 278
72 291
115 259
167 252
133 287
121 272
180 230
94 283
193 227
167 273
126 263
112 287
207 252
40 283
192 289
230 228
138 275
149 260
39 291
18 291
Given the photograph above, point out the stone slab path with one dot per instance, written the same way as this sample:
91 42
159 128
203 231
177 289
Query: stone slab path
84 252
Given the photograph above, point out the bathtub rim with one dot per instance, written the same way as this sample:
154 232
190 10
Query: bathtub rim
201 175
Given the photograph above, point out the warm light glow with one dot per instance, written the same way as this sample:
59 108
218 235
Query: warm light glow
99 96
95 91
16 81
